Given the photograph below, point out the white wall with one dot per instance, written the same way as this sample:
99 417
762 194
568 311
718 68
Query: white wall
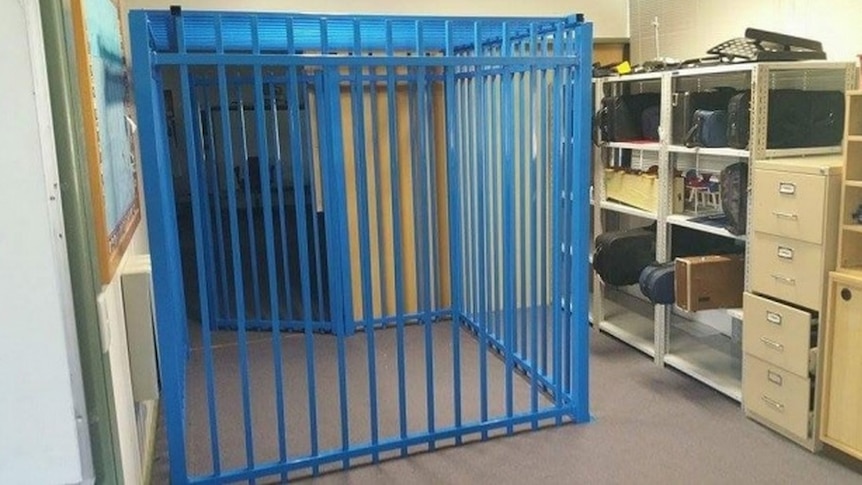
689 27
609 17
43 435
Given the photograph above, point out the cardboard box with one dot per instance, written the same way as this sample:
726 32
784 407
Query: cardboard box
709 282
641 190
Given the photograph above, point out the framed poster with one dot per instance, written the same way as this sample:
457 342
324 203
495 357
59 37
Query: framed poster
105 101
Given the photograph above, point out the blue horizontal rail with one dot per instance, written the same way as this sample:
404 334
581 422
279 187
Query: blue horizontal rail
242 59
384 446
242 30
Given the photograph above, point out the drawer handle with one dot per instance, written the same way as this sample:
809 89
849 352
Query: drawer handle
775 378
784 279
785 215
773 318
773 403
772 343
785 252
786 188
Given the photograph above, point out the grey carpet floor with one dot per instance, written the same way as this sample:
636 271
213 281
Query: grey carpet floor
651 425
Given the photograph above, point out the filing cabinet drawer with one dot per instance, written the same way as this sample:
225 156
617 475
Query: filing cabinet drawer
777 333
788 269
789 204
776 394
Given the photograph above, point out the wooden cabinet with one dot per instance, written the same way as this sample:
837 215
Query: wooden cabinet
842 366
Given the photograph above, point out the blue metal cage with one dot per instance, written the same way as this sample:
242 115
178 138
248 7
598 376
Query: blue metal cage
369 234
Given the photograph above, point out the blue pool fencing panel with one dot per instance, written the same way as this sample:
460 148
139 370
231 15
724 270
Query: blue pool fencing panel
369 234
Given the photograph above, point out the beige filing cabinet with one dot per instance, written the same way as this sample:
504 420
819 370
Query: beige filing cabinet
842 366
794 210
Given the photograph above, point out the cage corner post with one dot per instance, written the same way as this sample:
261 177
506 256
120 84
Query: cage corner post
581 105
164 242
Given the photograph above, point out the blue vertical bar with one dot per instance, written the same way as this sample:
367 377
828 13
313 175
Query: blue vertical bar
235 250
308 162
269 232
455 243
159 198
481 181
536 212
424 256
395 174
296 159
220 230
361 164
544 159
556 137
523 171
198 225
282 222
249 207
326 90
497 203
206 222
509 266
562 195
339 273
378 199
581 174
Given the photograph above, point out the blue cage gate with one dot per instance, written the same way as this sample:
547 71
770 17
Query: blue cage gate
369 235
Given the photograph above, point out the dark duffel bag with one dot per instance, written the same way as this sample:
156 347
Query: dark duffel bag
739 120
650 119
686 103
734 196
620 117
709 129
800 119
620 256
656 282
796 119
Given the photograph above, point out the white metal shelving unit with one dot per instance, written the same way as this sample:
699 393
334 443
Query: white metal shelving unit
698 345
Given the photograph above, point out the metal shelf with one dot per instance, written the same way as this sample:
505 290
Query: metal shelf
799 152
735 313
629 320
706 355
645 76
647 146
719 152
704 345
627 209
685 221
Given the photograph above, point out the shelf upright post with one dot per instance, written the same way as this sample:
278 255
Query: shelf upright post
598 312
756 145
665 201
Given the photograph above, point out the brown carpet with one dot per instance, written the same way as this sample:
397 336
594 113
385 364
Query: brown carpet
651 425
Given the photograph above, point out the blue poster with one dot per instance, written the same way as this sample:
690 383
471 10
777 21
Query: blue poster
110 91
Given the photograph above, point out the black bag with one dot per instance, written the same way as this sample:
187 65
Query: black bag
734 196
686 103
685 242
799 119
796 119
620 116
650 119
709 129
739 120
657 282
620 256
